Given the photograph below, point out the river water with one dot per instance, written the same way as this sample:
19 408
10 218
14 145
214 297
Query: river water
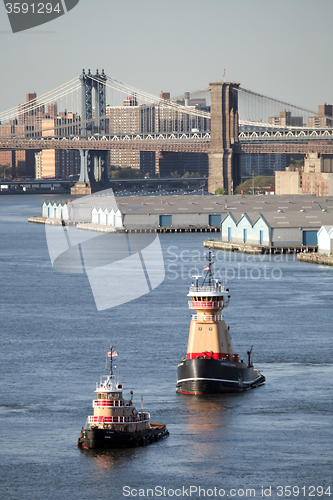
272 442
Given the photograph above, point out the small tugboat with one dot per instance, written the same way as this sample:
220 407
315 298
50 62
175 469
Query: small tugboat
211 366
116 423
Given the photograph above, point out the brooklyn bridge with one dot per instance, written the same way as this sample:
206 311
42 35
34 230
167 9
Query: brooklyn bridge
222 121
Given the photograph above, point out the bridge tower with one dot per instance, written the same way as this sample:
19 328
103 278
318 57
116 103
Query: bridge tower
93 163
86 105
88 83
224 169
100 104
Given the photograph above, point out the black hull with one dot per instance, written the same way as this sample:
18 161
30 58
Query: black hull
212 376
95 438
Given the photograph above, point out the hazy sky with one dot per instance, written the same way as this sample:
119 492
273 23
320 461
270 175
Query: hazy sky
279 48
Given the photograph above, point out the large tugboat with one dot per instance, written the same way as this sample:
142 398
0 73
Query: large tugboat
116 423
211 366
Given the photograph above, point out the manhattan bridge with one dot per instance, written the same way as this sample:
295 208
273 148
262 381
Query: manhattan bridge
222 121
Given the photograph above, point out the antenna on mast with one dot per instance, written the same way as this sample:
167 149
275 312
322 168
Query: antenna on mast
111 373
210 262
208 267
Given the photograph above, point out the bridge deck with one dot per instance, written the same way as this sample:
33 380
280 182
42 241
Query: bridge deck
294 145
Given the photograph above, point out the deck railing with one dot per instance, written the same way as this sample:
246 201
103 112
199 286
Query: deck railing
139 417
110 402
206 317
214 304
207 289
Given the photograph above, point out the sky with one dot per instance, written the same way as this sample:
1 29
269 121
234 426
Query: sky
280 49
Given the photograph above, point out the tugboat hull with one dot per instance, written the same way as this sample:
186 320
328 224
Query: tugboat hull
95 438
210 376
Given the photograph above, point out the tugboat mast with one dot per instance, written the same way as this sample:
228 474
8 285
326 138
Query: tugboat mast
210 262
111 372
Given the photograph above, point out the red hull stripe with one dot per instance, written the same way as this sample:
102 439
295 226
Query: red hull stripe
213 355
186 392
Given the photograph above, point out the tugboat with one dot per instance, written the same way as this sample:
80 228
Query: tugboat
116 423
211 366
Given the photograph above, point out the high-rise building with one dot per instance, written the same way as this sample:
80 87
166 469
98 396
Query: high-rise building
123 119
130 101
323 120
183 164
58 162
125 158
286 119
261 164
315 177
325 109
17 162
38 165
51 163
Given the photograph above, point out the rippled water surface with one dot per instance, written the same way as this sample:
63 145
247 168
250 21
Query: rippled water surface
53 344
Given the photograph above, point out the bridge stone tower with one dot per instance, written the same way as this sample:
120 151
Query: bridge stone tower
223 161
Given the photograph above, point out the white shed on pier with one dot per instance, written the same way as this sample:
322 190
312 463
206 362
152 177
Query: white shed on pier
325 240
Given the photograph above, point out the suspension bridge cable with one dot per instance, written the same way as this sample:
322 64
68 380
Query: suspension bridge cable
205 90
255 102
152 99
14 111
48 97
43 96
255 94
28 108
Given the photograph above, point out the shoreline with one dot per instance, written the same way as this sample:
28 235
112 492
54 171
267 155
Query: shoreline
315 258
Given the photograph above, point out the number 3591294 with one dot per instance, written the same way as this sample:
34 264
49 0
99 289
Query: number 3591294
32 8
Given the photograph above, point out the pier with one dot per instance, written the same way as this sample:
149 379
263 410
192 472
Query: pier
87 226
260 249
164 229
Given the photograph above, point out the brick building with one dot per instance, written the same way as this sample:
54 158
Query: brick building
286 119
315 177
323 120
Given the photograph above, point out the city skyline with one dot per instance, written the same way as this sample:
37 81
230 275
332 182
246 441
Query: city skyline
280 50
